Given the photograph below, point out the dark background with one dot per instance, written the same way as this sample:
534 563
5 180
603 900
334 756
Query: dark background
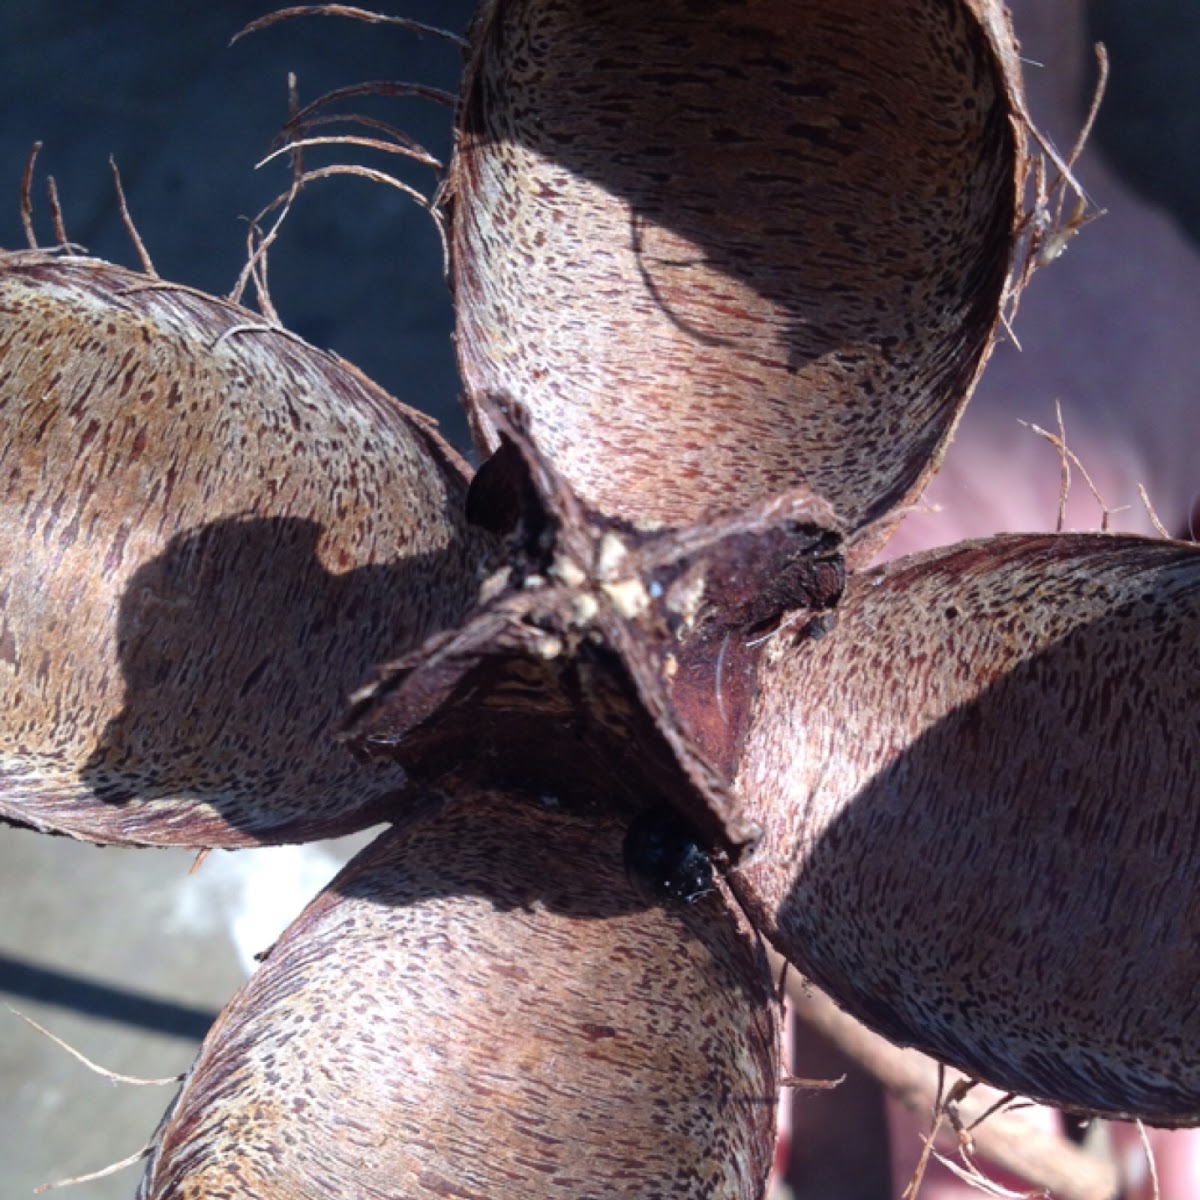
186 116
1149 126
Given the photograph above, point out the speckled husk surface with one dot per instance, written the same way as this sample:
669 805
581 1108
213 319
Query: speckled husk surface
719 251
482 1005
211 533
980 793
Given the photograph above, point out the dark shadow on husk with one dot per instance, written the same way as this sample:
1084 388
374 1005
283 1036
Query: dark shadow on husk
1015 893
239 650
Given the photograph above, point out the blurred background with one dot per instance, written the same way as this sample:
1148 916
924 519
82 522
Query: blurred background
186 116
126 955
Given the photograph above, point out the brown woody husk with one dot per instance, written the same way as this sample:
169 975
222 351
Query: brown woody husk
980 801
725 277
719 252
849 180
482 1005
212 533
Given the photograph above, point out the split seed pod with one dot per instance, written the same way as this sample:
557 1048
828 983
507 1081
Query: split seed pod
725 273
212 534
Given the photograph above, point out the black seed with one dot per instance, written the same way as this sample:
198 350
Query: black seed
664 860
